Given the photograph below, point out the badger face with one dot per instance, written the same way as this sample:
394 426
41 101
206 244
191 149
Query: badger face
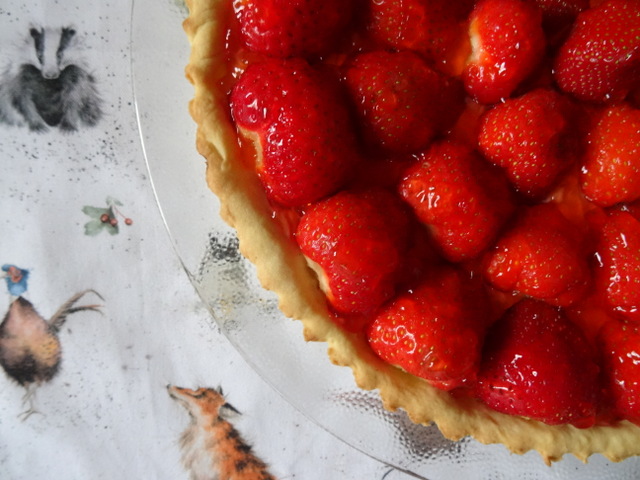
51 48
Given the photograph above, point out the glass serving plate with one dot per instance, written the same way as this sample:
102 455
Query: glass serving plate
248 315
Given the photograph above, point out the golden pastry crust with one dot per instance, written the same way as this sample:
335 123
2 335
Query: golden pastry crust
282 269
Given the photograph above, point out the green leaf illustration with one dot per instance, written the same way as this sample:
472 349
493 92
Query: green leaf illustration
113 201
105 218
94 227
95 212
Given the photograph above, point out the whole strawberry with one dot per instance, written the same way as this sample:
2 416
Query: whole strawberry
435 330
460 197
537 364
532 138
618 272
433 28
610 173
402 103
288 28
541 256
507 43
306 142
600 60
356 242
618 344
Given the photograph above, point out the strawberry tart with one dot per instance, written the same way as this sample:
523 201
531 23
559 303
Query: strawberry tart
448 194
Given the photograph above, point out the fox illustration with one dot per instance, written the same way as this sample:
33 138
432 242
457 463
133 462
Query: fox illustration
212 449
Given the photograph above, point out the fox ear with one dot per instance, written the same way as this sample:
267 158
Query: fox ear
228 412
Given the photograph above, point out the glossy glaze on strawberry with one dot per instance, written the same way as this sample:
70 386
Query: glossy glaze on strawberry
358 240
280 28
610 172
462 199
533 138
600 61
542 256
507 44
618 345
538 364
618 272
435 330
401 102
466 177
307 141
435 29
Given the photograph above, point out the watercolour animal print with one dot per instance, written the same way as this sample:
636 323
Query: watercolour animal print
48 83
212 449
30 350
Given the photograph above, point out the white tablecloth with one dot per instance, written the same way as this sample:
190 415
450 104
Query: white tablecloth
106 413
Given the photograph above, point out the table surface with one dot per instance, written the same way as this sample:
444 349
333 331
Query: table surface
106 413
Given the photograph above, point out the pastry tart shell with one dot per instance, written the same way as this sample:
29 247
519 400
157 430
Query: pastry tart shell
282 269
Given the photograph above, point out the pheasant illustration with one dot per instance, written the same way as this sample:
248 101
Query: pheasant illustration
16 279
30 350
212 449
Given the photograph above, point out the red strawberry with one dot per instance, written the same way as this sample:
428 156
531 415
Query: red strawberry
401 102
356 241
507 45
618 272
307 145
433 28
463 199
435 330
600 60
287 28
541 256
532 138
611 169
537 364
618 344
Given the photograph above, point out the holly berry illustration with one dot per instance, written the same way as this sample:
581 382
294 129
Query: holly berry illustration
105 218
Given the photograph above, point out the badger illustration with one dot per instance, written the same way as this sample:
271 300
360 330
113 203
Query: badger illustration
50 85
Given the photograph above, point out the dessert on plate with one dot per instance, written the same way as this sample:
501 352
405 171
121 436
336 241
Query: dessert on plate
448 194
